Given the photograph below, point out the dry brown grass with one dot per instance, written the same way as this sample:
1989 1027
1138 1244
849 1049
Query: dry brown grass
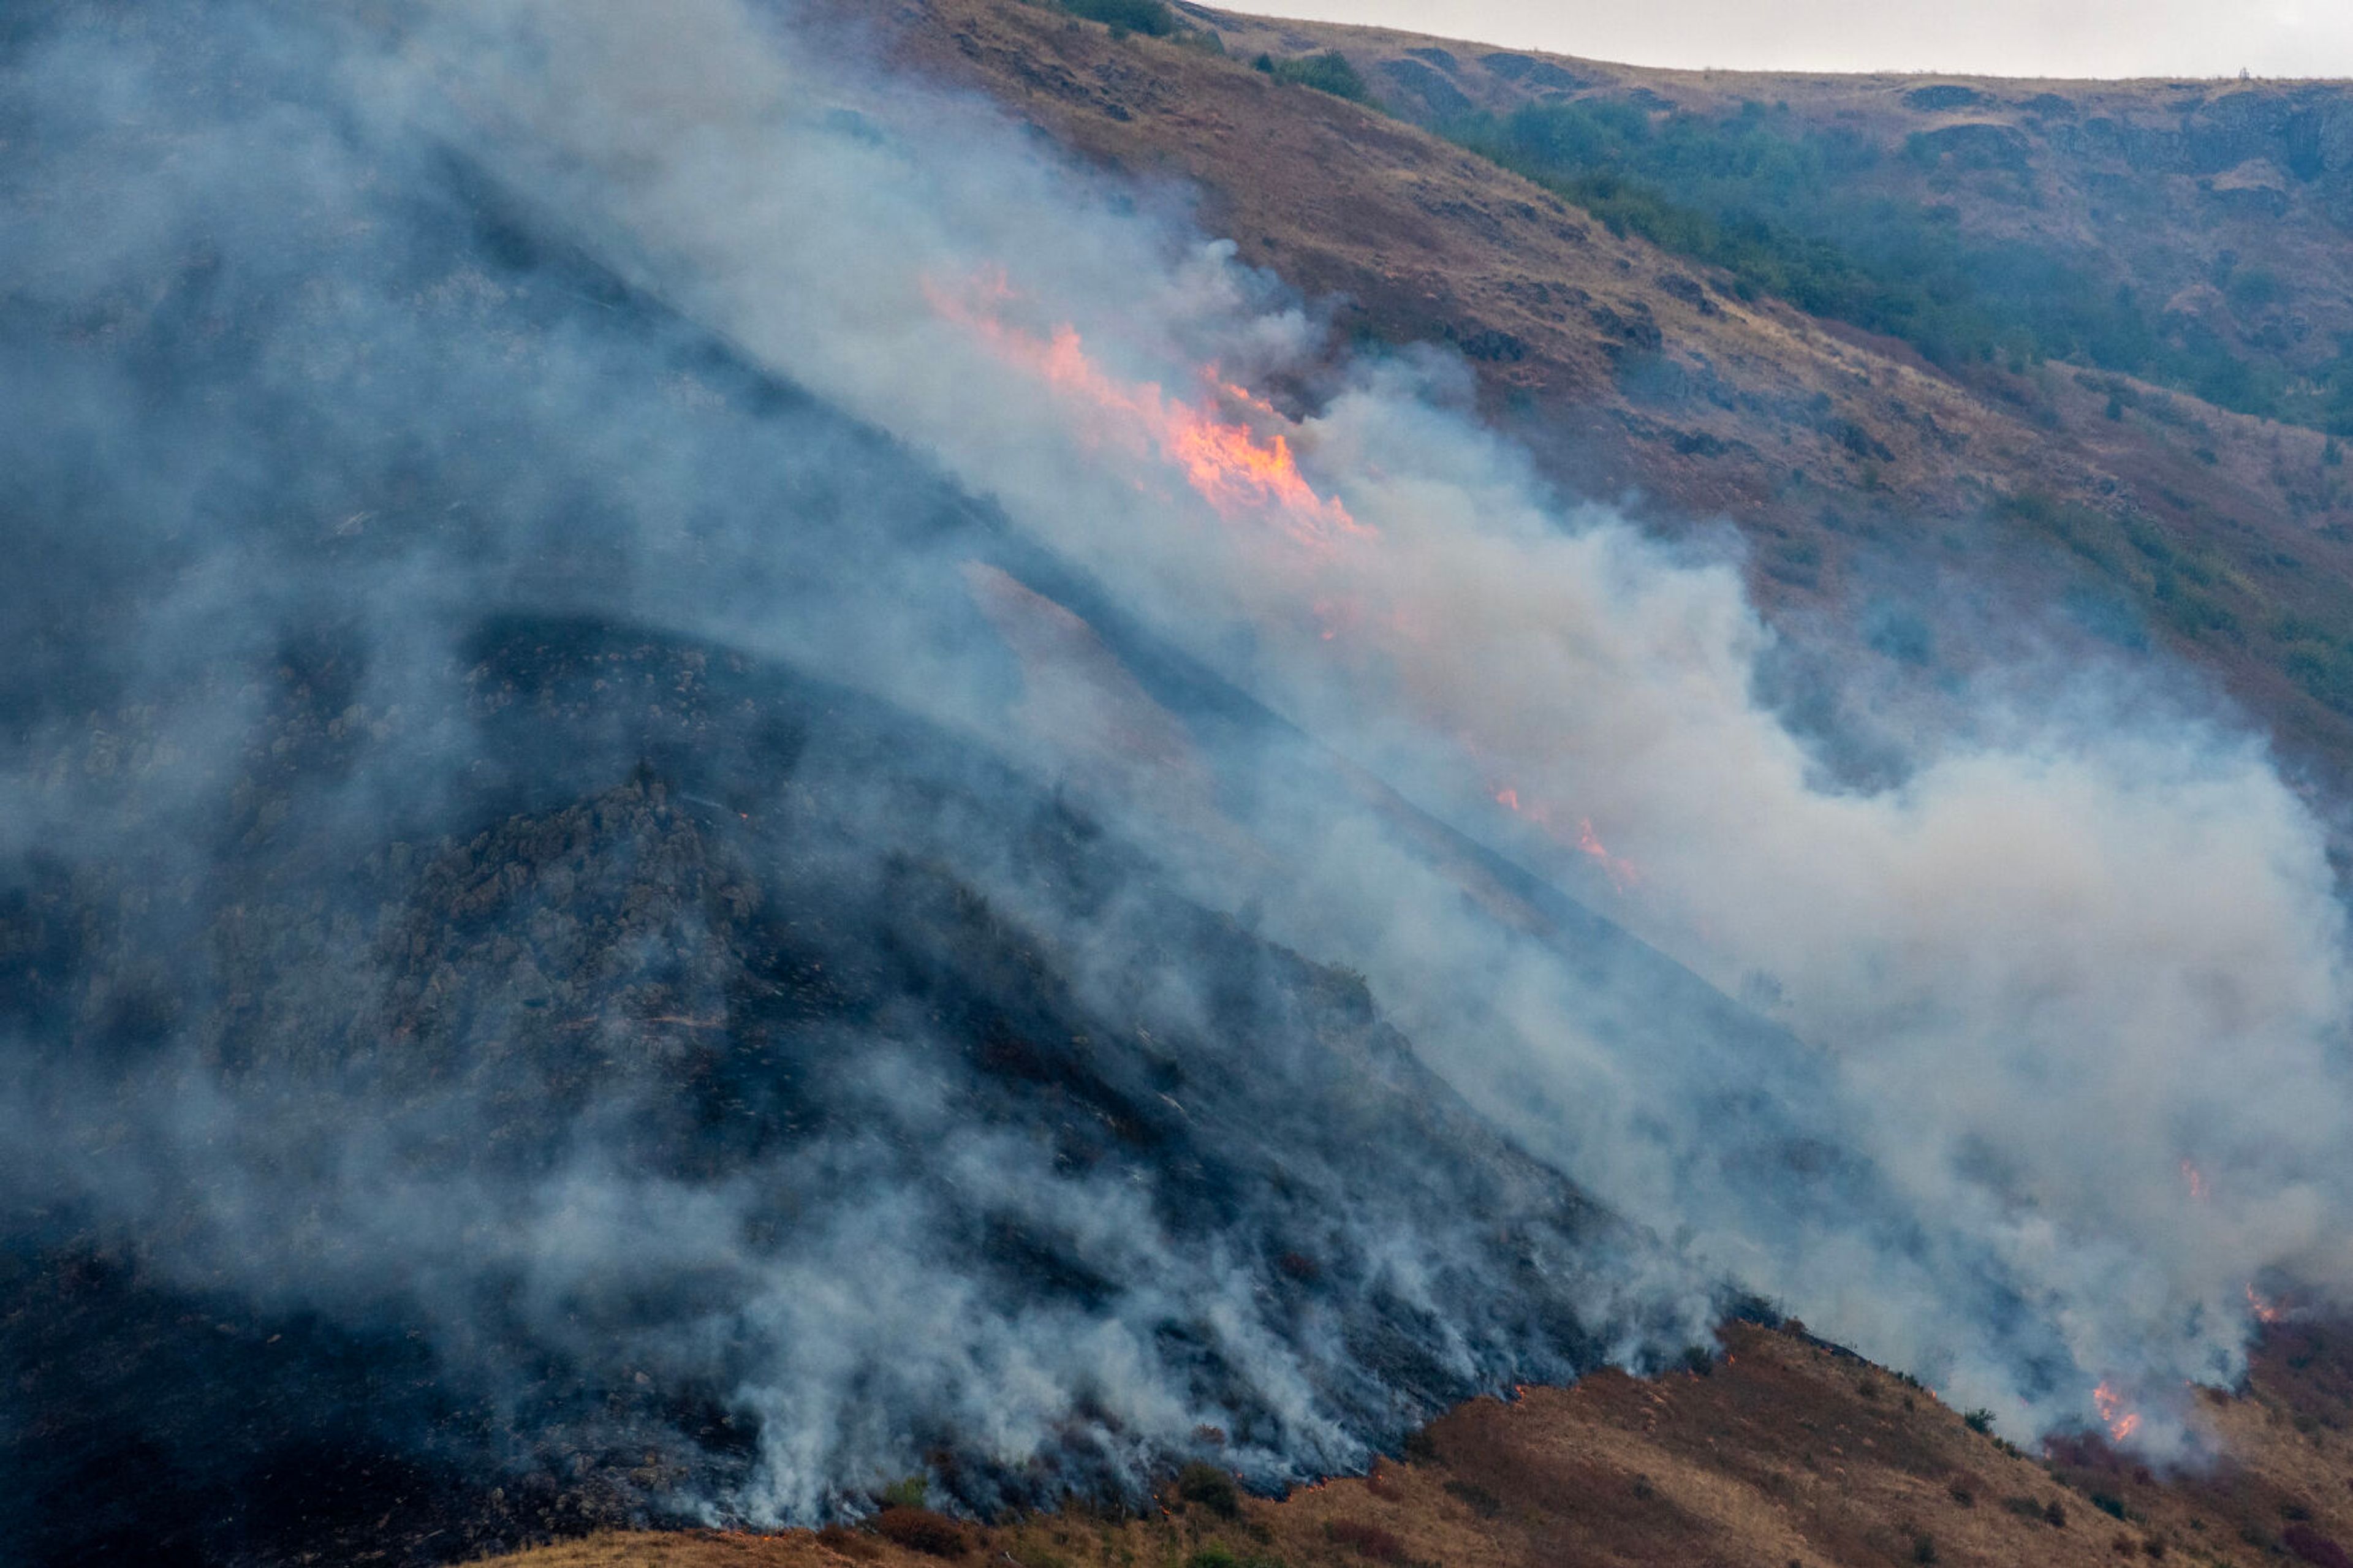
1788 1452
1417 241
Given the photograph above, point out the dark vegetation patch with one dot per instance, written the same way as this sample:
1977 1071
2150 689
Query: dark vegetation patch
1846 228
922 1530
1211 1488
1366 1541
1153 19
1327 72
2148 573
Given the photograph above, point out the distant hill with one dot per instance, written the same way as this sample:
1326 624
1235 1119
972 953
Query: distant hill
2082 340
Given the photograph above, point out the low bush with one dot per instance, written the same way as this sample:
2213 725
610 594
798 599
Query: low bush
920 1529
1210 1487
1327 72
1151 17
1476 1497
2315 1548
846 1542
1368 1541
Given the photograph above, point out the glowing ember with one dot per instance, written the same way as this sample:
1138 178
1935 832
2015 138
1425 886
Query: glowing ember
1226 461
2195 1179
2121 1423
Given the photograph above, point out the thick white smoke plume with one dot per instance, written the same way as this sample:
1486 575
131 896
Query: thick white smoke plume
483 462
2074 986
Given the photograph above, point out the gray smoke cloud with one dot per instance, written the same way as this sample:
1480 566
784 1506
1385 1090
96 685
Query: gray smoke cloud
754 390
522 843
2074 986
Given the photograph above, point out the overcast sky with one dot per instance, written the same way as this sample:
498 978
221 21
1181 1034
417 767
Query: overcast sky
2005 37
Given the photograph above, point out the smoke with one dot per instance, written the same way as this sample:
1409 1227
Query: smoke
683 711
535 949
2072 986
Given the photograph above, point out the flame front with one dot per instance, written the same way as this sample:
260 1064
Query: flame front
1226 461
2120 1422
1624 874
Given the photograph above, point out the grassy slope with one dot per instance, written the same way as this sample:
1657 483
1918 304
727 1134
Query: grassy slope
1790 1452
1846 457
2192 230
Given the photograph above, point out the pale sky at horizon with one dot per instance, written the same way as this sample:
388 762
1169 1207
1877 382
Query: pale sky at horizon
1991 38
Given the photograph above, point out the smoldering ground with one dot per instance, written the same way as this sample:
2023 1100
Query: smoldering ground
502 1032
666 787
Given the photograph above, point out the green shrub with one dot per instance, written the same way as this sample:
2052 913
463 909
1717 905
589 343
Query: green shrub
1210 1487
912 1493
1151 17
1327 72
1979 1420
920 1529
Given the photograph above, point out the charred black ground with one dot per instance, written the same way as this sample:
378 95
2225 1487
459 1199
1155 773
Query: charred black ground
417 879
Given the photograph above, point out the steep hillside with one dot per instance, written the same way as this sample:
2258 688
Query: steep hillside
1788 1451
1862 473
2189 230
735 797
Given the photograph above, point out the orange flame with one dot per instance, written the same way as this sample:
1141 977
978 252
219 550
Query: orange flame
1226 461
2121 1423
2265 1311
1624 874
2195 1179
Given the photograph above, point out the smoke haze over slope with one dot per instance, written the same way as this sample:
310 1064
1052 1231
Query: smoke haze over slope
687 321
2070 949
